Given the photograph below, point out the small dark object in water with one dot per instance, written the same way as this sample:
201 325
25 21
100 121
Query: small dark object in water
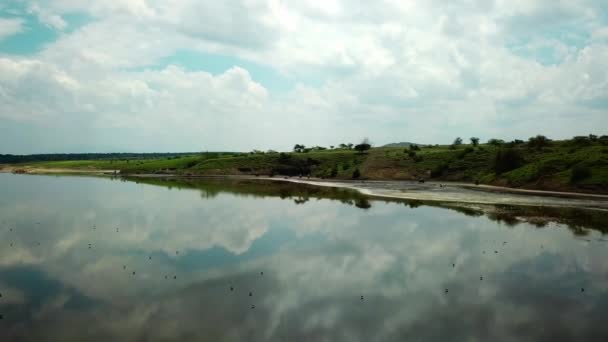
582 289
480 278
166 277
1 316
504 242
484 252
250 294
11 229
252 306
176 252
174 277
495 252
231 288
124 267
149 258
453 265
361 297
262 273
38 243
446 290
421 180
133 272
11 244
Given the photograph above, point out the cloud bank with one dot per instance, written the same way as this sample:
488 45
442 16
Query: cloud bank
159 75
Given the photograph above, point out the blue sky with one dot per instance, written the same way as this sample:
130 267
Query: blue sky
190 75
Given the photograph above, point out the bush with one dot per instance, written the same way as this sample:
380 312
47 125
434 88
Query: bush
464 152
362 147
581 141
579 173
496 142
334 172
539 142
356 173
506 159
439 170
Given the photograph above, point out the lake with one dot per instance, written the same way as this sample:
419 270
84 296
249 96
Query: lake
101 259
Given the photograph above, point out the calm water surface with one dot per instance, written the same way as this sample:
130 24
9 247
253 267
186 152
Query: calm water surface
110 260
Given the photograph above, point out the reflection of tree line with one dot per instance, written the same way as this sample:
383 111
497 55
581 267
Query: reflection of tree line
580 221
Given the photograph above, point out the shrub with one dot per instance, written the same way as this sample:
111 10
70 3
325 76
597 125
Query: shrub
334 172
362 147
439 169
474 141
464 152
496 142
539 142
506 159
581 141
579 173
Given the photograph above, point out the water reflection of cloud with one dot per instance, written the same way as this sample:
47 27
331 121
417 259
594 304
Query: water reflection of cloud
317 258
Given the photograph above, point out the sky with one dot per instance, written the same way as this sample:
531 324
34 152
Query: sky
202 75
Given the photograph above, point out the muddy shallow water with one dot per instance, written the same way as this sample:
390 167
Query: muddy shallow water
85 258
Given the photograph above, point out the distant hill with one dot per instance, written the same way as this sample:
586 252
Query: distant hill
401 144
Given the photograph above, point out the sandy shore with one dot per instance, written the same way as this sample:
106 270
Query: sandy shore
409 190
41 171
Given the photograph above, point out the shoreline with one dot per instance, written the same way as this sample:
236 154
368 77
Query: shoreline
395 189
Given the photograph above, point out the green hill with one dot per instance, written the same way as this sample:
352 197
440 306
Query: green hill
579 164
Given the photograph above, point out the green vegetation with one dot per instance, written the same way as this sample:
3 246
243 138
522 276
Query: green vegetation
578 164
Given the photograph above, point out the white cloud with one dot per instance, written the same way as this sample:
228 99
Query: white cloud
44 16
9 27
391 70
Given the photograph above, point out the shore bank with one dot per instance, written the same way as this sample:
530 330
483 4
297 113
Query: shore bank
407 190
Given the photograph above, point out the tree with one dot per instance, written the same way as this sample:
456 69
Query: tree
457 141
539 142
496 142
363 146
474 141
349 146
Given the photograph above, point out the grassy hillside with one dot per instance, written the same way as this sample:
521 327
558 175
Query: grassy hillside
576 165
